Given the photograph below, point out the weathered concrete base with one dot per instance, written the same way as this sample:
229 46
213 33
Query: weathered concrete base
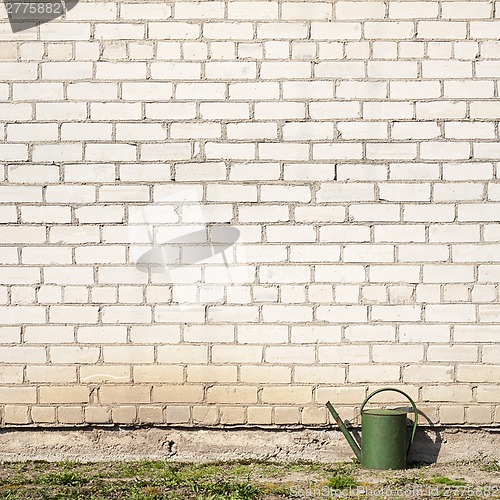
202 445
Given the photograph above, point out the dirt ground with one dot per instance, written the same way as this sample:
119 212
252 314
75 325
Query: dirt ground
154 480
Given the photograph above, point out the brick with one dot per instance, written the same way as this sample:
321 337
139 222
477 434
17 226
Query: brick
392 69
177 414
487 394
401 313
97 415
124 394
257 10
54 394
462 10
205 416
213 374
103 374
177 394
44 415
394 30
478 415
369 373
70 354
16 414
295 395
432 373
477 373
413 10
150 414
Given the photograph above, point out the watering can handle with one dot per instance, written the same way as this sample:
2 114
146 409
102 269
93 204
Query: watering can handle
414 406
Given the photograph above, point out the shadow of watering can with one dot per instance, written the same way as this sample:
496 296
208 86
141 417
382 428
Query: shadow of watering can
384 441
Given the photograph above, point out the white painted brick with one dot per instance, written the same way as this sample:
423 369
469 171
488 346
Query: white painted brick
255 10
46 255
409 274
270 151
365 253
277 31
342 69
431 373
421 130
68 275
73 314
345 151
8 255
307 131
447 69
403 353
464 130
485 150
357 130
441 30
100 254
465 253
291 70
406 233
306 10
392 69
165 151
86 131
67 69
448 274
464 10
128 354
11 193
369 373
49 335
450 313
93 11
372 212
478 373
70 194
445 150
31 174
41 91
218 151
13 152
137 11
454 233
413 10
57 153
61 111
452 353
18 71
351 10
207 130
227 111
395 30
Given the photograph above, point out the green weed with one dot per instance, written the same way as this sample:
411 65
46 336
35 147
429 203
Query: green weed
64 478
341 481
446 481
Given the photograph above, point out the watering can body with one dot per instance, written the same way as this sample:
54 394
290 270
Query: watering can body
384 443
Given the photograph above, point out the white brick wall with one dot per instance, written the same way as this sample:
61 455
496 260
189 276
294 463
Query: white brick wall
353 145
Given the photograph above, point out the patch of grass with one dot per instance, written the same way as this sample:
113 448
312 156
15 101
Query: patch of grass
65 478
446 481
490 466
227 489
403 481
340 481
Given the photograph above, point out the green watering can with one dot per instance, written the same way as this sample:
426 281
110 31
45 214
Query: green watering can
384 442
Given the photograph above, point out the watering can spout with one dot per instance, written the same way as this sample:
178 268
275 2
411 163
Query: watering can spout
345 431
